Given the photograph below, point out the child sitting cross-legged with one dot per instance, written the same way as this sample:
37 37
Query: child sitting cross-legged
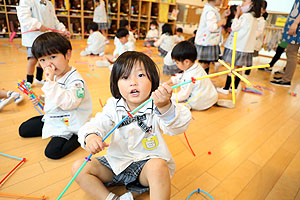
137 155
201 94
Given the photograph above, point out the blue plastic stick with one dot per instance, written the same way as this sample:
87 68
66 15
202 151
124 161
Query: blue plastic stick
11 156
198 190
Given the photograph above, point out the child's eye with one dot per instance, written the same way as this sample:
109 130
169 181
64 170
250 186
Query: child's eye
42 60
141 75
125 77
52 57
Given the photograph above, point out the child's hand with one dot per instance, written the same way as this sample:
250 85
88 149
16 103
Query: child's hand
94 144
161 97
43 28
34 101
49 72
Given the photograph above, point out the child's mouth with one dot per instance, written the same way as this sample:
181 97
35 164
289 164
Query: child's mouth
134 92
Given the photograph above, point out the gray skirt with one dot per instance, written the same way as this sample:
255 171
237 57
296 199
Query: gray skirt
103 26
208 53
241 58
171 69
129 177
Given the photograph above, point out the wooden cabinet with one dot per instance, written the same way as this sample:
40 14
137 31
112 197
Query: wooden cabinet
76 14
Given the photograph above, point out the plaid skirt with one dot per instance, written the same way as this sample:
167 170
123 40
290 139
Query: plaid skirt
162 52
103 26
171 69
208 53
241 58
129 177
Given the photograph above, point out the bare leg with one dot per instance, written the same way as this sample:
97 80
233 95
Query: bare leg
31 62
155 174
92 177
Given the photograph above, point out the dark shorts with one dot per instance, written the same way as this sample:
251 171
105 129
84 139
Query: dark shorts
162 52
129 177
29 53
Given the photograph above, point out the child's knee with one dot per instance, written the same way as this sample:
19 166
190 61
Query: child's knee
158 166
76 165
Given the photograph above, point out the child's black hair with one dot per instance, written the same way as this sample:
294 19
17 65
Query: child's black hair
154 23
92 26
256 7
266 14
123 66
50 43
179 30
123 23
184 50
122 32
166 28
230 16
195 31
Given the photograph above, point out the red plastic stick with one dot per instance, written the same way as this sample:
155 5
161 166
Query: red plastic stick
13 170
189 145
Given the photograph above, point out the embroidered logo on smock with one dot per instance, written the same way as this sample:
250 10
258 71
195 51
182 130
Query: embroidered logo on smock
80 93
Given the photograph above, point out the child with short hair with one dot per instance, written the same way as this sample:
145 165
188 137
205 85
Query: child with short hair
68 103
123 45
178 37
7 97
185 55
32 15
95 41
209 34
166 41
137 155
245 25
125 24
100 17
152 35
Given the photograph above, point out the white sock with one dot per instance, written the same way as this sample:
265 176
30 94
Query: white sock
9 93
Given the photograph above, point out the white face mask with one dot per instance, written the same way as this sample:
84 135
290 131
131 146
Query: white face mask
153 27
246 8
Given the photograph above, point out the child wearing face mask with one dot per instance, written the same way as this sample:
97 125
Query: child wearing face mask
152 35
209 35
245 24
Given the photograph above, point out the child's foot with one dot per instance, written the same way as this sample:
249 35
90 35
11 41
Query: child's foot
223 91
39 82
17 97
126 196
225 103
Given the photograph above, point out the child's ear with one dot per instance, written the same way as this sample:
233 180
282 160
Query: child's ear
69 53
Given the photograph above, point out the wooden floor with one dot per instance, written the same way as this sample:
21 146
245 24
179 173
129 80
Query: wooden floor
250 152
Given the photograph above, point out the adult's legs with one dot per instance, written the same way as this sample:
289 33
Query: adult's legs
277 56
291 53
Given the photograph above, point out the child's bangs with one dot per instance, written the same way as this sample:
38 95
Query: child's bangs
45 50
127 67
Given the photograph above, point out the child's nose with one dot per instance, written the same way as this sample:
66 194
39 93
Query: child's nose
133 81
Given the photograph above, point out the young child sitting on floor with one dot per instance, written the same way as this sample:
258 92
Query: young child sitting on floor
202 94
137 155
68 103
95 42
123 46
152 35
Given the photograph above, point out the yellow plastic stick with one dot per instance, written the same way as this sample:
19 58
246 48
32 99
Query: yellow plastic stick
192 99
176 95
237 74
233 88
233 51
212 75
252 67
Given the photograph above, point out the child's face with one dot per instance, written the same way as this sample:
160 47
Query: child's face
59 61
217 2
184 65
124 40
178 33
136 87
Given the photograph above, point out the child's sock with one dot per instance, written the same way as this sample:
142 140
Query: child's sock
236 81
9 93
39 73
30 78
228 82
112 196
247 72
